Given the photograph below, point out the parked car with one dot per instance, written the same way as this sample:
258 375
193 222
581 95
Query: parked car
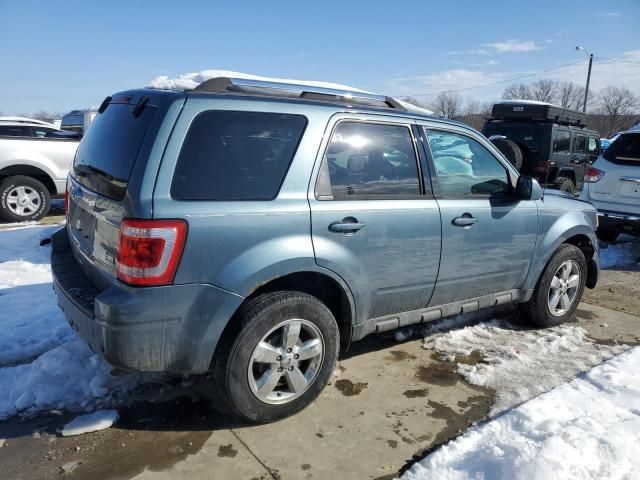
78 120
245 228
547 142
34 161
612 185
606 142
25 127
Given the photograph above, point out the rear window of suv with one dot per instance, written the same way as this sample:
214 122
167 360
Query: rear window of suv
106 155
625 150
230 155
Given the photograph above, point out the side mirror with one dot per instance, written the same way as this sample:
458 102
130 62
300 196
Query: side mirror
528 188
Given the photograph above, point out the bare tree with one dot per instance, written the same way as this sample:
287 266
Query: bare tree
570 95
448 104
616 103
517 91
46 116
544 90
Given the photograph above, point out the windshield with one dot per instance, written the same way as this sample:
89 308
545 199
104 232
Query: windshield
625 150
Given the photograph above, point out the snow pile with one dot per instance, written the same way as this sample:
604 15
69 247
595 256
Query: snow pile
91 422
626 251
517 363
43 363
188 81
586 429
31 321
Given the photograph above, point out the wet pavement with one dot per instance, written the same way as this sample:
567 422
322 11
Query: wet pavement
388 405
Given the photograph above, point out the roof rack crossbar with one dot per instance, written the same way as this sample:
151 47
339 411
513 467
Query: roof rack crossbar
263 87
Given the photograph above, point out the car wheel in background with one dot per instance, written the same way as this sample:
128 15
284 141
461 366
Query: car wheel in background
510 150
282 357
559 289
564 184
607 235
23 199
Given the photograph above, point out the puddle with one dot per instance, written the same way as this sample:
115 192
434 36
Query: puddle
305 466
416 393
440 373
349 389
399 355
227 451
392 443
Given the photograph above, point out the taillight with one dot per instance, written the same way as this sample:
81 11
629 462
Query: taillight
149 251
592 175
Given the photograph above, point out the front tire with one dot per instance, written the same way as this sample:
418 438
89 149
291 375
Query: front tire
559 289
23 199
281 359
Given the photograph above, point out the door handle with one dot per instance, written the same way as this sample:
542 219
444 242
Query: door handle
464 220
346 225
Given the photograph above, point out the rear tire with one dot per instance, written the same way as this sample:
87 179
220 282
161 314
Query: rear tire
282 357
23 199
564 184
544 309
510 150
607 235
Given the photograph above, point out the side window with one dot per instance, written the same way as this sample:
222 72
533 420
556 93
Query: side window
464 167
41 132
592 148
561 142
579 143
370 161
229 155
14 131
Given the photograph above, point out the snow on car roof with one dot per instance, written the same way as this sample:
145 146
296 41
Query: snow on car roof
188 81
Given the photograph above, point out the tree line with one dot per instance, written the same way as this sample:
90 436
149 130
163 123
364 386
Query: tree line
609 110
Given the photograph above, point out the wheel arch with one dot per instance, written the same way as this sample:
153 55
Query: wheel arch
580 235
324 286
30 171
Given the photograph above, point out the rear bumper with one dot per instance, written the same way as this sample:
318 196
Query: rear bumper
171 328
619 221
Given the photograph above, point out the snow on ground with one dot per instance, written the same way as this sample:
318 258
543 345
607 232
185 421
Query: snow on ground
625 251
91 422
586 429
519 363
43 363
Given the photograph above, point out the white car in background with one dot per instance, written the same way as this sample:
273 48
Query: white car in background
612 185
35 158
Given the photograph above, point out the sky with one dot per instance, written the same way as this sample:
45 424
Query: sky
72 54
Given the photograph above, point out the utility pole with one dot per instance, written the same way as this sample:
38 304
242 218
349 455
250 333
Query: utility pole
586 90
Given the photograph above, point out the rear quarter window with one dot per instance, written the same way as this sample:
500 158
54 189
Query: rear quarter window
625 150
229 155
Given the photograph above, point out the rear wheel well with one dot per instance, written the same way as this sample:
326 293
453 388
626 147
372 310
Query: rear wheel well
586 247
318 285
30 171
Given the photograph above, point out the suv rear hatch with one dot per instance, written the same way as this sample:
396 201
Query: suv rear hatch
105 182
621 182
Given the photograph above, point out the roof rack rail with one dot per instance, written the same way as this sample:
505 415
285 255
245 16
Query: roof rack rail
292 90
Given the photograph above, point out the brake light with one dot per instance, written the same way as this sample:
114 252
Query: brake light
149 251
592 175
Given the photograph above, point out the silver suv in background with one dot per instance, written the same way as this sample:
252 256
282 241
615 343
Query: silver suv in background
612 185
246 228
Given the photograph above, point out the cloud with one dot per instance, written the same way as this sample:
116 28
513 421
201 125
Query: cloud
621 71
609 14
511 46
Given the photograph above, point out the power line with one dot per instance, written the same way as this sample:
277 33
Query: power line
497 82
616 60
